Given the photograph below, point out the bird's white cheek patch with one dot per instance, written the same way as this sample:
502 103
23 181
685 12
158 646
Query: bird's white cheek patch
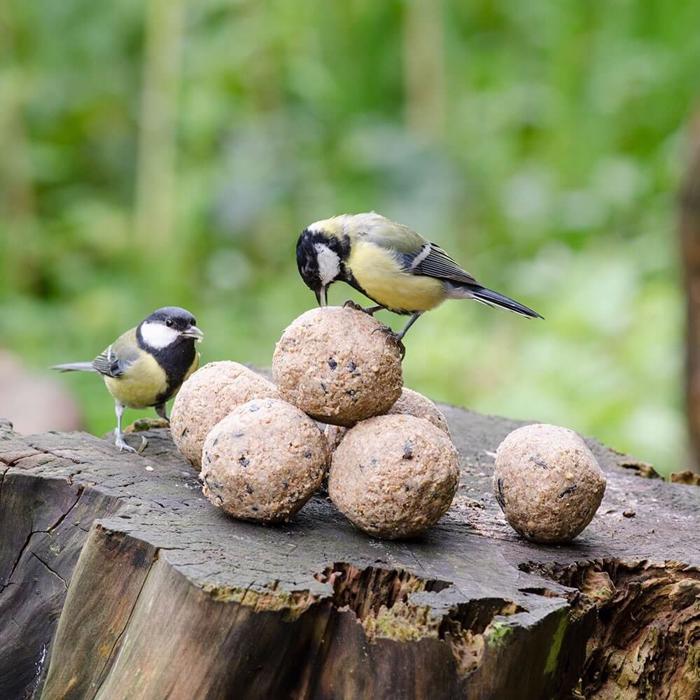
328 263
158 335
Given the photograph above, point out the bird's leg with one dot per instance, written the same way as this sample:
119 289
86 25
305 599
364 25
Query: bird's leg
371 310
119 441
162 412
398 337
411 321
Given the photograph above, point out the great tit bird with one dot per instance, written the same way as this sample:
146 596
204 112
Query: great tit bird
389 263
146 365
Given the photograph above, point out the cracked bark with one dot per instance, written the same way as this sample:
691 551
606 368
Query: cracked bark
166 597
50 570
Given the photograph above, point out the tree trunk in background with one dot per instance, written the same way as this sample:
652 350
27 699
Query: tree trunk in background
424 69
17 197
690 254
155 178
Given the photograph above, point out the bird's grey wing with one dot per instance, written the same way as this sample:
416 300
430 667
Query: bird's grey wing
417 255
388 234
114 360
433 261
108 364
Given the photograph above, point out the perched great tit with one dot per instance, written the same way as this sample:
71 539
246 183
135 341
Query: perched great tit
146 365
389 263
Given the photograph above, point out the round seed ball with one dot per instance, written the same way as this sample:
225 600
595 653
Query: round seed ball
211 393
339 365
547 482
412 403
394 476
263 461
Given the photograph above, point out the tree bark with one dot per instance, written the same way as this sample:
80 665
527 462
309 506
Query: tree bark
119 580
689 226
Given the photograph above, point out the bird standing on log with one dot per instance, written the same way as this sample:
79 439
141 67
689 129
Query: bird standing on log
146 365
391 264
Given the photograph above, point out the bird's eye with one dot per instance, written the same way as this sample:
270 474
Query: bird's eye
193 322
169 323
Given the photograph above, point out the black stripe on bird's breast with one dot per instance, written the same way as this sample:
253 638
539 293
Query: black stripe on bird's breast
175 360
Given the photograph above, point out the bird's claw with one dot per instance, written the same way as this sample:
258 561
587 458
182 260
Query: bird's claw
121 444
395 338
350 304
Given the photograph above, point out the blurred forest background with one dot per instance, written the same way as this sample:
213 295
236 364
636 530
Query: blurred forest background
166 152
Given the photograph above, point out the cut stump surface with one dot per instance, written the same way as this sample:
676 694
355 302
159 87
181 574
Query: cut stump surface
118 579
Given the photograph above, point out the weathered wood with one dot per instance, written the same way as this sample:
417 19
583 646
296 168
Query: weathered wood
119 580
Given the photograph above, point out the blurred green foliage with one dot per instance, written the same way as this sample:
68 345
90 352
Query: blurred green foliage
165 152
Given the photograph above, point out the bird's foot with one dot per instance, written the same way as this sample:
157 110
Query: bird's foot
395 338
350 304
122 445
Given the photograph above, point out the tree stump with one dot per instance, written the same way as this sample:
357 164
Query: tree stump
119 580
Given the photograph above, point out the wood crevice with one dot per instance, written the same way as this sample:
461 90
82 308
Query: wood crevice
52 571
380 599
644 616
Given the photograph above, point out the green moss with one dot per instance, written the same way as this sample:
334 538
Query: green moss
292 604
146 424
396 627
557 641
403 623
693 662
497 632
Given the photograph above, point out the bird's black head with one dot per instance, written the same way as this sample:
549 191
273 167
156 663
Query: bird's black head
321 259
167 326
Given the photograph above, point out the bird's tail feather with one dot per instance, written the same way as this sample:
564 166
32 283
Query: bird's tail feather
492 298
75 367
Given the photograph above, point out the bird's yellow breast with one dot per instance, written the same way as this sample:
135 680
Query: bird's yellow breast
379 273
141 384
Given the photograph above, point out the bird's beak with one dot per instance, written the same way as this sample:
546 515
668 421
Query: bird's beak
321 296
193 332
